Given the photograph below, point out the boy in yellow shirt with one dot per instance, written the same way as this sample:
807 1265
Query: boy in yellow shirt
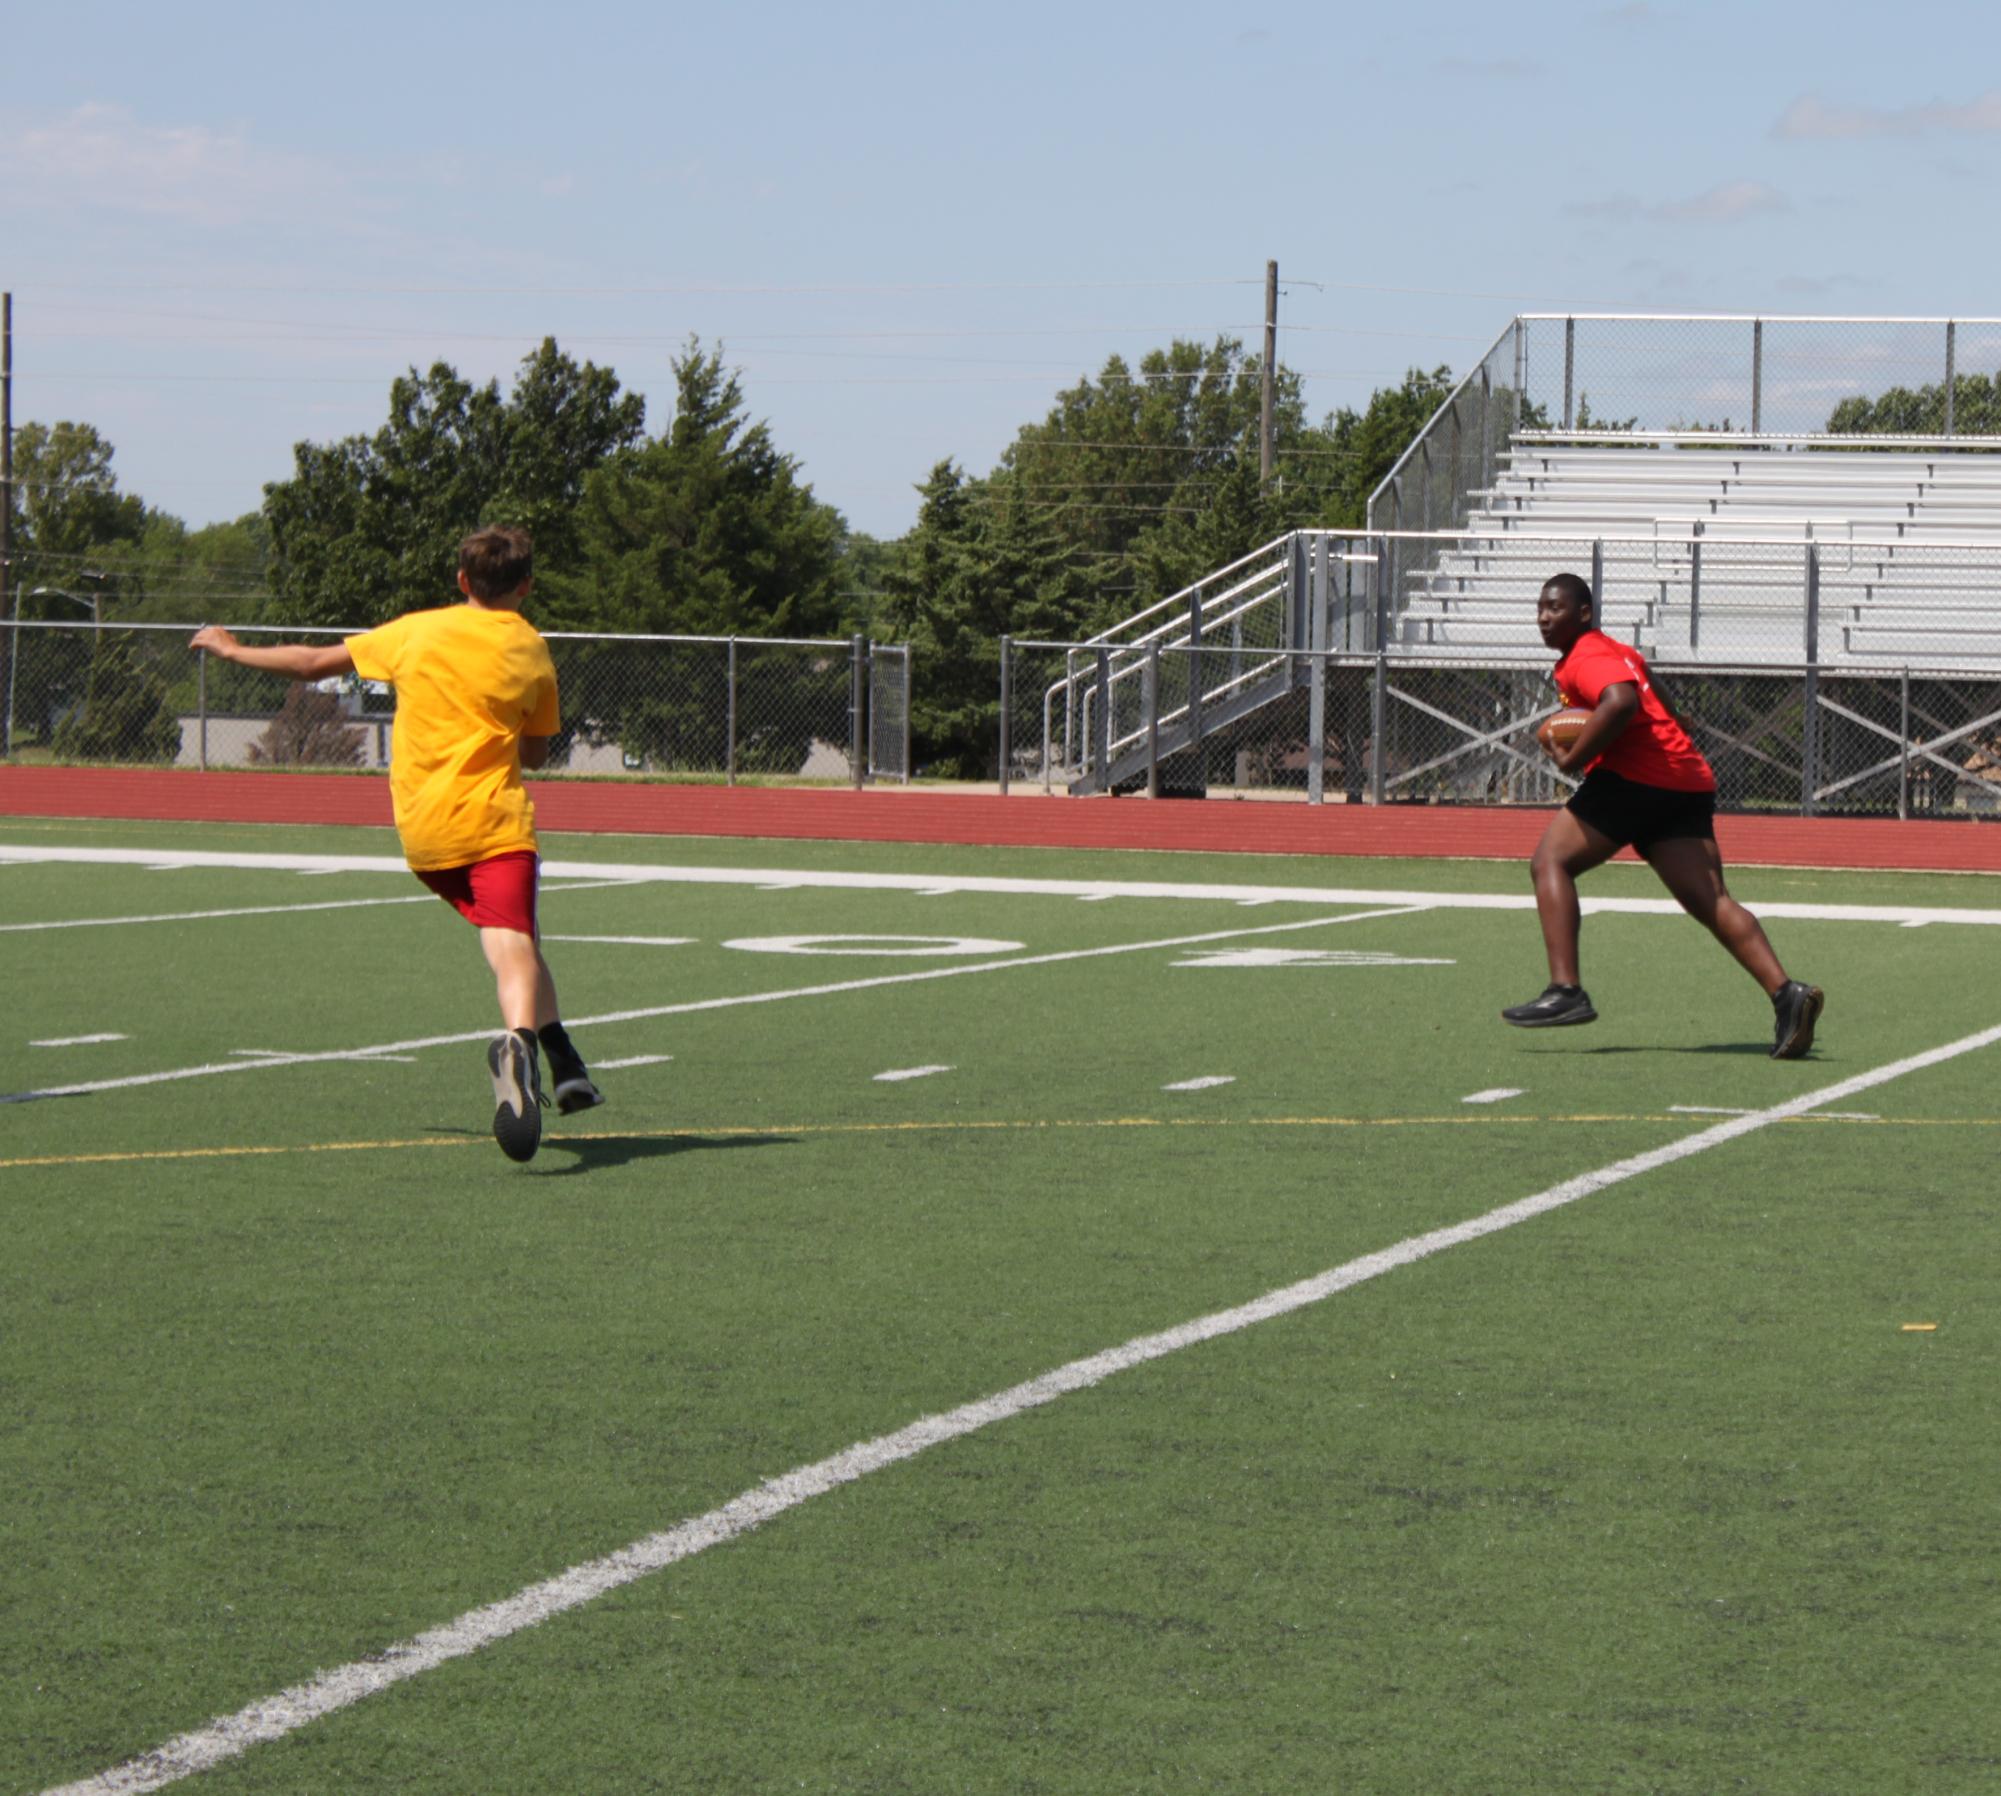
475 703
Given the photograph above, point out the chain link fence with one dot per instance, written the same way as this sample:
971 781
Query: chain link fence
728 707
1778 376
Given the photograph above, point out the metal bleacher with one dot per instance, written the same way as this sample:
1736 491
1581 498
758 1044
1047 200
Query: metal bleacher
1814 554
1769 546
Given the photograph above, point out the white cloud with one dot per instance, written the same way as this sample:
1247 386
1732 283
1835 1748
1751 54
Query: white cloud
1724 204
1732 200
1812 117
101 156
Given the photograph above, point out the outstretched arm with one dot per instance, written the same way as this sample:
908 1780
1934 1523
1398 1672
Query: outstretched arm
294 660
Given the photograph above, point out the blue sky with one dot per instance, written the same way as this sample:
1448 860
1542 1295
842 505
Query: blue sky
228 227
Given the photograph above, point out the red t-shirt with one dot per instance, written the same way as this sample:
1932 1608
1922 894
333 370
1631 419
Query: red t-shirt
1654 750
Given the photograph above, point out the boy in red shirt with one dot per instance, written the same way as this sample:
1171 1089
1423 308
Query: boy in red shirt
1647 784
475 703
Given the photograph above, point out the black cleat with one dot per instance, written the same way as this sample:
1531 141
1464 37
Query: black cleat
574 1092
1795 1010
1558 1005
517 1095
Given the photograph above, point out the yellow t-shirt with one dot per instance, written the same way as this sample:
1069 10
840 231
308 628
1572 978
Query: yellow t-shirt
470 683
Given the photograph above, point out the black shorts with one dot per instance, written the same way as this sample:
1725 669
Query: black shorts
1627 811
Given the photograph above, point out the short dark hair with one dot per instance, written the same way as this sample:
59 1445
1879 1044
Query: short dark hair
1574 588
496 560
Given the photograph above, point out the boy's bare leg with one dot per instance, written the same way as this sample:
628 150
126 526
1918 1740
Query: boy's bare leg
521 977
1569 846
1692 870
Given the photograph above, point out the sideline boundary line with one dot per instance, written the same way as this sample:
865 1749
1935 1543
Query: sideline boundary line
645 873
273 1717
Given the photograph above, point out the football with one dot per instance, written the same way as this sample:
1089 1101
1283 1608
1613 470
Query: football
1560 729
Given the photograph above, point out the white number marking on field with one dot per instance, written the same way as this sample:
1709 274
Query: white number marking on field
328 1692
75 1041
910 1072
612 1066
1305 957
1202 1084
910 946
1492 1097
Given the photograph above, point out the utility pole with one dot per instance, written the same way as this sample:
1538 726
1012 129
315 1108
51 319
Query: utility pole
1267 439
7 508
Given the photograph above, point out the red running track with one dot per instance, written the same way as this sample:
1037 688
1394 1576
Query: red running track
1214 826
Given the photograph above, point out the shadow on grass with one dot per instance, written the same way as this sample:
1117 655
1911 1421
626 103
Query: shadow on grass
595 1153
1761 1049
600 1152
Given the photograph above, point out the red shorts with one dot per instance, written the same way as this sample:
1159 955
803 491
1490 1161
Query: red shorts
495 894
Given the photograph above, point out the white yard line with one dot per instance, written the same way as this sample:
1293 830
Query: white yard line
378 1049
1492 1097
612 1066
75 1041
273 1717
909 1072
1205 1083
788 879
273 910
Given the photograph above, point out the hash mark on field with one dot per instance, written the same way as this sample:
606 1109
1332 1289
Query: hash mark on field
1202 1084
327 1692
910 1072
75 1041
612 1066
1492 1097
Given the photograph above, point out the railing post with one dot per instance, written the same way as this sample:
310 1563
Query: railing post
1904 750
1569 365
1951 335
1101 733
1810 713
1757 375
1695 590
729 747
1006 711
1598 580
201 704
1195 676
1153 719
1379 703
1424 501
1521 366
857 679
1316 695
906 713
1486 428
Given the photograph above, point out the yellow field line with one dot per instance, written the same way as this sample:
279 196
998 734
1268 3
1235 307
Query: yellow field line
957 1127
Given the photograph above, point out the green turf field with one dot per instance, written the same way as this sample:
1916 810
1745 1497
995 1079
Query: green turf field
1654 1492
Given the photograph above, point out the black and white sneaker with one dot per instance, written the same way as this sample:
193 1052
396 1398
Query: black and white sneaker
1795 1010
517 1094
1558 1005
574 1092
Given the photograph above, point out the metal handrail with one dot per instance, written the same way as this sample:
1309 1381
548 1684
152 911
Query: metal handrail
1104 637
1451 399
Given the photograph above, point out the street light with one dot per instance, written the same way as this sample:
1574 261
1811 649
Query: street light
14 648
